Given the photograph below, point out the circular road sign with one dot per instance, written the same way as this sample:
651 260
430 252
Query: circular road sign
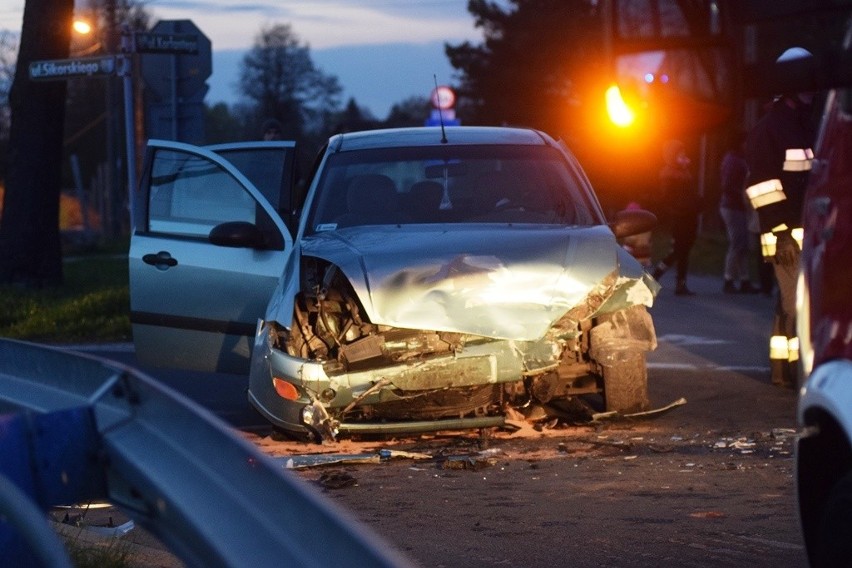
443 97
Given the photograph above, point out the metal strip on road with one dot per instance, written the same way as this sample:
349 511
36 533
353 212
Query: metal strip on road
708 367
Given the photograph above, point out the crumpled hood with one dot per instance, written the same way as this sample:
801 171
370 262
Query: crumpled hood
509 283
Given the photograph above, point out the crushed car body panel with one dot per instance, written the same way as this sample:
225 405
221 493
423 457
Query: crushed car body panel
509 283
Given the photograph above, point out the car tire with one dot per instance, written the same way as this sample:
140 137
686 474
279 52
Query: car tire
625 384
833 546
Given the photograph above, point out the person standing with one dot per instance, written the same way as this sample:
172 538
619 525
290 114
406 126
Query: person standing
779 156
680 207
735 214
271 129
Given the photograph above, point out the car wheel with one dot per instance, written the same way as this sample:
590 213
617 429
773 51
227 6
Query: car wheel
833 546
626 384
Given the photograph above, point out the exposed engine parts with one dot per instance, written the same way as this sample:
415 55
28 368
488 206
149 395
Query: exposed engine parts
431 375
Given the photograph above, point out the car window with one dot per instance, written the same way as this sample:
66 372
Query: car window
270 170
456 184
190 195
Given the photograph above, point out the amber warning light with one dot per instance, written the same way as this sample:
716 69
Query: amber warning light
619 113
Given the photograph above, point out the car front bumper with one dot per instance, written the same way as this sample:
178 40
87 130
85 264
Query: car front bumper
488 363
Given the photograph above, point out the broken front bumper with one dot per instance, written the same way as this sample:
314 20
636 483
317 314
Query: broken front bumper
320 401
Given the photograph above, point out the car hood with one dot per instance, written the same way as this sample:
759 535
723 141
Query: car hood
509 282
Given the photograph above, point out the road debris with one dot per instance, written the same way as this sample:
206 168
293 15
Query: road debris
315 460
653 413
337 480
708 515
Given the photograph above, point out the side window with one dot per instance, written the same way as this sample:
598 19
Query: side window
189 196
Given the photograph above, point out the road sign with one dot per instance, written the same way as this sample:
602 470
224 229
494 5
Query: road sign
57 69
443 97
170 75
167 43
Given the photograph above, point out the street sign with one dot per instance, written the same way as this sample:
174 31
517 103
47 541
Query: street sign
167 43
171 75
443 97
58 69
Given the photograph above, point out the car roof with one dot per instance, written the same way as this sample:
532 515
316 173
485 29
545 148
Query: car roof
432 136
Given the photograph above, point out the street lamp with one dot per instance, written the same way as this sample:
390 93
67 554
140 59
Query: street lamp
82 27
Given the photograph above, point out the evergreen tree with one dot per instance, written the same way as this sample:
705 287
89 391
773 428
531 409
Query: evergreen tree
533 64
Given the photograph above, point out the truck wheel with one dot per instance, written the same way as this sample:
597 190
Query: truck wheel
834 547
625 384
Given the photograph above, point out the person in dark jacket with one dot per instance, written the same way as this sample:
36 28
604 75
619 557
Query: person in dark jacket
779 155
735 212
680 208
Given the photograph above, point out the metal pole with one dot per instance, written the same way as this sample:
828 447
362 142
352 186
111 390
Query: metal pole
173 95
126 71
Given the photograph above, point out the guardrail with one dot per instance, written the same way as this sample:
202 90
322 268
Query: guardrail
75 428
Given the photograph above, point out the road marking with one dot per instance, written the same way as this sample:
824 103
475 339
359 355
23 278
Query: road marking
775 543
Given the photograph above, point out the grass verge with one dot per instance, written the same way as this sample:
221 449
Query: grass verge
93 304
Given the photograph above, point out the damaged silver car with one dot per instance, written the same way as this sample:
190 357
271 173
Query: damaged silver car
436 280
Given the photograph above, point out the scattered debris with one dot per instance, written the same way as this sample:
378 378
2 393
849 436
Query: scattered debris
336 480
778 442
653 413
708 515
314 460
473 462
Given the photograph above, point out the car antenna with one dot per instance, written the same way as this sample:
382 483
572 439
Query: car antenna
440 113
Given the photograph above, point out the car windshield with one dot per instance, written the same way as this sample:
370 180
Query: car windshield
450 184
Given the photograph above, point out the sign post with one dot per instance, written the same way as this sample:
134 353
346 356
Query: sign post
126 72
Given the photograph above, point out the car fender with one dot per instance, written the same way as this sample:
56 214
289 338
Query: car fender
829 389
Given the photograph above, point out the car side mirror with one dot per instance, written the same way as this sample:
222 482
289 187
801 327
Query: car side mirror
239 234
632 222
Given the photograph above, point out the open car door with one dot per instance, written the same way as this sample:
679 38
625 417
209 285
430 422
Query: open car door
205 255
271 167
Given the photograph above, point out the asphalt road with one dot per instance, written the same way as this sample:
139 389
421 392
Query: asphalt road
709 483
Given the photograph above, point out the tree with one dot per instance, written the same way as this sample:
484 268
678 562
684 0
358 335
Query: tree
412 111
221 124
353 118
30 247
281 81
531 68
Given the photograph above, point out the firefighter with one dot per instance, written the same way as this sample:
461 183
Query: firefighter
779 155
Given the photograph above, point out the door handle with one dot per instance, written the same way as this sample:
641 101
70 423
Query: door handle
162 260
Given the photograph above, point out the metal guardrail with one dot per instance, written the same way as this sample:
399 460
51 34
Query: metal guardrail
75 428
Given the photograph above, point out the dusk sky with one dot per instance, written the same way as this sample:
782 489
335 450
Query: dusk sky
381 50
